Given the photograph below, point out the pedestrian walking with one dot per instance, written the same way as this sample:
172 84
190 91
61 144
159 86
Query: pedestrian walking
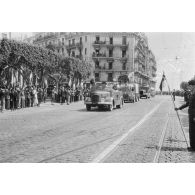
191 113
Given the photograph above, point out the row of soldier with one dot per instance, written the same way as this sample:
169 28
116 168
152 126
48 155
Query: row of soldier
13 98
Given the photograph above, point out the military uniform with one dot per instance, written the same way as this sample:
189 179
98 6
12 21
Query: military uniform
191 112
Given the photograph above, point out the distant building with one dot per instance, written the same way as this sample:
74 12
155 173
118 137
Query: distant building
111 53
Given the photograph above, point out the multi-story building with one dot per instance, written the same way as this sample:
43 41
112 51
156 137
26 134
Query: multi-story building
111 53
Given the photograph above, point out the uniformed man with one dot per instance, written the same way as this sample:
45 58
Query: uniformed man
191 113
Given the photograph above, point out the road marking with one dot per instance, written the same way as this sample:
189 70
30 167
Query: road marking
110 148
157 155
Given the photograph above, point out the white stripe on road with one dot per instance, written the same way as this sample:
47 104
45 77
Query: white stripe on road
110 148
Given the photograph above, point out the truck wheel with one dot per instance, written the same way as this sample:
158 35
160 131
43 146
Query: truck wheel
110 107
88 107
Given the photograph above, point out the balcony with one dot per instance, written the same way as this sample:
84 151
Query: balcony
98 44
74 46
124 58
102 56
71 46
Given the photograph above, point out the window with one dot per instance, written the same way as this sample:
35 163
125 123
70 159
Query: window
110 77
85 51
111 40
85 38
110 65
97 64
110 53
63 50
62 41
123 53
73 41
69 42
97 51
124 66
97 77
73 53
97 38
80 40
124 40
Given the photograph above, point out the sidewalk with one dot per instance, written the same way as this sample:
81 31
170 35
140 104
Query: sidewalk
43 106
174 149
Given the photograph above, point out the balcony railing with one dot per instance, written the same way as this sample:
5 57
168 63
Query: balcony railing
75 45
109 44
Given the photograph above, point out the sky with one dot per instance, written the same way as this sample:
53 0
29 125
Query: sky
175 55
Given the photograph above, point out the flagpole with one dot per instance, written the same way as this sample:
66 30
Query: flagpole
177 113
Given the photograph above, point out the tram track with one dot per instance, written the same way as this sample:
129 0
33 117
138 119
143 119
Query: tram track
162 137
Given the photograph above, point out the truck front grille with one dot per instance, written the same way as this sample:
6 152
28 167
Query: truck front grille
95 98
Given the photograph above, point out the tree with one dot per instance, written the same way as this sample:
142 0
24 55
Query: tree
184 85
43 63
19 56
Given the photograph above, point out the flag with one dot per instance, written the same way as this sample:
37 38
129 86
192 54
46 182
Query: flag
162 81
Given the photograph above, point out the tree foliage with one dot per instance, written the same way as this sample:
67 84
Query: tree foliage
27 58
184 85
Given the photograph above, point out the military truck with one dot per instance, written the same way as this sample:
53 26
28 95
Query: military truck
104 97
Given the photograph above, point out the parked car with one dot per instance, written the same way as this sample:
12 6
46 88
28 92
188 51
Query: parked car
103 96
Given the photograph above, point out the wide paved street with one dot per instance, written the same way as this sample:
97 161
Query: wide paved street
69 133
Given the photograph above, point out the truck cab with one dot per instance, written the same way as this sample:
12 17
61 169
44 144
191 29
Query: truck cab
145 92
103 96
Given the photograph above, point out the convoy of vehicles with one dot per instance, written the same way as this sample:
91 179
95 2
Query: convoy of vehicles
130 92
104 97
109 96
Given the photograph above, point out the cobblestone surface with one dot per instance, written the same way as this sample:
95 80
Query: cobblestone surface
62 133
174 149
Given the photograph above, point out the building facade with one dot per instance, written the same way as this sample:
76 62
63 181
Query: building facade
111 53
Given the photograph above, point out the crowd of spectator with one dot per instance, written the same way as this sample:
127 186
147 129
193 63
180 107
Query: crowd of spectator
13 98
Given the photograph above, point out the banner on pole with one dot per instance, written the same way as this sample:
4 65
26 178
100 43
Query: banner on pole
162 82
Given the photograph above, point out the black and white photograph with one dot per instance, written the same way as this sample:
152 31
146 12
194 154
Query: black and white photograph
97 97
81 97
